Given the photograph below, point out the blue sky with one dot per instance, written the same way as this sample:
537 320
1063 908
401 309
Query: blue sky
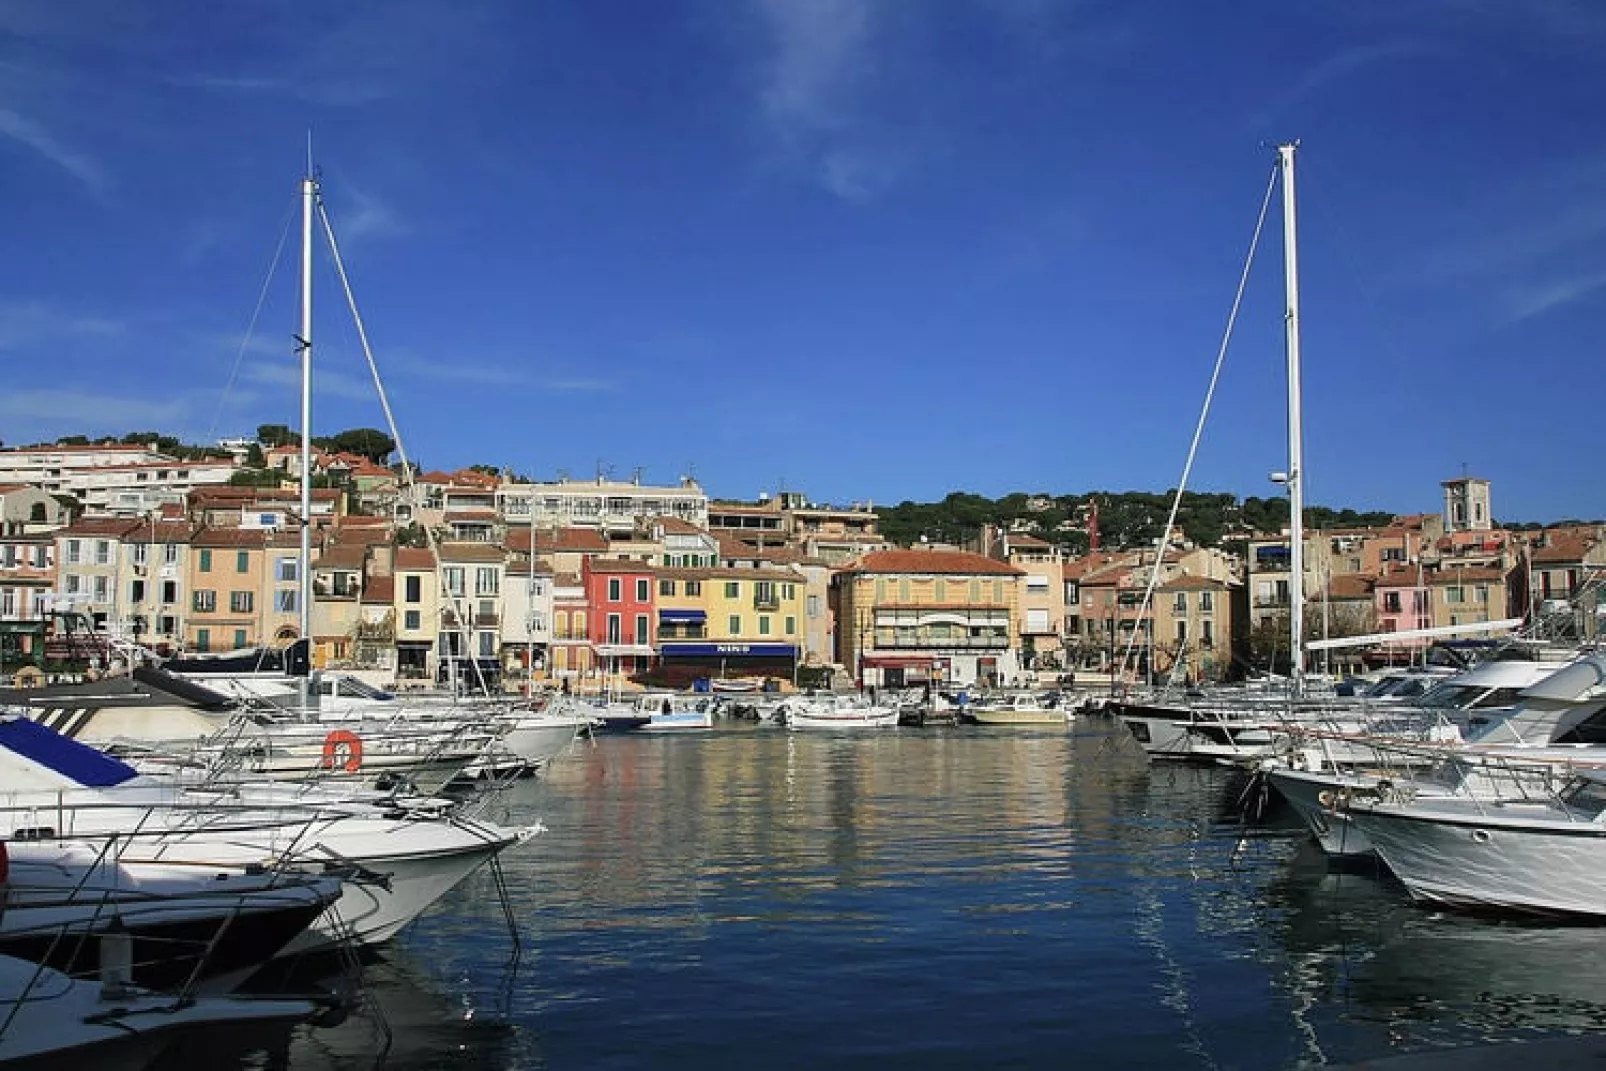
868 250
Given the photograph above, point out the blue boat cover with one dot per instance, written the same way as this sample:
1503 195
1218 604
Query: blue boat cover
66 756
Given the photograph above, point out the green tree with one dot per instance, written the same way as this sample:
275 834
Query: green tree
371 443
255 478
272 435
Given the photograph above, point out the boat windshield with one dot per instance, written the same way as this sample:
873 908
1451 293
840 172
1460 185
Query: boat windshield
1402 686
1587 795
354 687
1448 696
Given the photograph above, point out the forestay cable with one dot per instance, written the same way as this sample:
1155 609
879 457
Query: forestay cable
250 330
406 480
1198 430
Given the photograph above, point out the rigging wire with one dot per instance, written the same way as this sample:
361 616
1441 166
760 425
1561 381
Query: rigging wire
250 330
406 480
1198 430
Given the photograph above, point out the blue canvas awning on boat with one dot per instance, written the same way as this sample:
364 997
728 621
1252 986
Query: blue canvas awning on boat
66 757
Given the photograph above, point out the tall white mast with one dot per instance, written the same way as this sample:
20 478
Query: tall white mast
1296 459
309 198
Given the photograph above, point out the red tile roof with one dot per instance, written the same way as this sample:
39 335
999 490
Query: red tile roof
583 540
415 560
1563 547
341 556
676 526
472 552
1092 563
924 562
244 538
379 589
1346 586
100 526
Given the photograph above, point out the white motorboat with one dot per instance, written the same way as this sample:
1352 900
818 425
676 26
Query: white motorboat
673 713
49 1019
396 859
188 927
1556 723
1544 856
837 711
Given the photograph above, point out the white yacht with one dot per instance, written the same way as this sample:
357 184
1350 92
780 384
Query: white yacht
1545 856
1556 723
395 859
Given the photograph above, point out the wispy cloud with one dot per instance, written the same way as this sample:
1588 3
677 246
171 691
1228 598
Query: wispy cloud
366 51
362 215
27 324
327 382
1340 66
1527 302
29 412
34 136
817 64
1520 228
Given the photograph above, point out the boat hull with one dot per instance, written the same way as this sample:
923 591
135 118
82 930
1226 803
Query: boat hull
1313 797
1020 717
1493 861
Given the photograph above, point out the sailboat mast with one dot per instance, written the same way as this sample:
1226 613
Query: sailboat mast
309 198
1296 459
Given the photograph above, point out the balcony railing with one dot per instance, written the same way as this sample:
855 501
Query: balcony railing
487 620
972 643
766 602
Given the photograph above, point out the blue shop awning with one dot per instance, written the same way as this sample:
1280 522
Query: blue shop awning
729 650
693 616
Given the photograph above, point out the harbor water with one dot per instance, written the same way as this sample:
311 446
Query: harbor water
918 898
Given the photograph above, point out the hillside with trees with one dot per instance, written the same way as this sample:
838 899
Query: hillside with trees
1125 518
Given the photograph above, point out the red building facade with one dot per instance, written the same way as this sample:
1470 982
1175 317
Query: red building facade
621 624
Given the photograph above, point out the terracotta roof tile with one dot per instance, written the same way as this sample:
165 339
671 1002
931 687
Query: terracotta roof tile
676 526
100 526
379 589
231 537
341 556
415 560
472 552
584 540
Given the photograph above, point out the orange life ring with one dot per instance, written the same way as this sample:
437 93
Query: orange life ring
332 744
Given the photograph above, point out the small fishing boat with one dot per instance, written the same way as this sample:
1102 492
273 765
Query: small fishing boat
837 712
1020 708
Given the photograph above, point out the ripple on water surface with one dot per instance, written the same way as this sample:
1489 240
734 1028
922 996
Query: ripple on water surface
943 897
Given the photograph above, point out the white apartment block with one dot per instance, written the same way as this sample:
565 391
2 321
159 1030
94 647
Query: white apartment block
606 504
118 479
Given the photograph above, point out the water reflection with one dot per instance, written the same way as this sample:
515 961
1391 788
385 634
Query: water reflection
938 898
411 1018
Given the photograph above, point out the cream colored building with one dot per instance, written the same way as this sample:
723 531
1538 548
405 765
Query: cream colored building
909 616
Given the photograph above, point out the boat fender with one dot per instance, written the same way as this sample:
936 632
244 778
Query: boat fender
342 740
1325 797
